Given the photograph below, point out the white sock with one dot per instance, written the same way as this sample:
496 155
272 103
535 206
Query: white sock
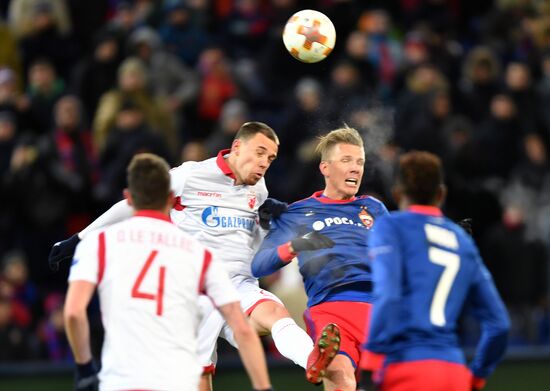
292 341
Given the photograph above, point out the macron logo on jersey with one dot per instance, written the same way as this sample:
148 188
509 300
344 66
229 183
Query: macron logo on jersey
212 218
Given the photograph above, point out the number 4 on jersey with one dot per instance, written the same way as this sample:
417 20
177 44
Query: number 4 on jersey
136 293
451 263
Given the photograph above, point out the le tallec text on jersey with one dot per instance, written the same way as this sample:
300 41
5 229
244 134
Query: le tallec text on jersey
154 238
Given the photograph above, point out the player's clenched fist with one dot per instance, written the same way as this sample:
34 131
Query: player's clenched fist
271 208
62 251
311 241
86 377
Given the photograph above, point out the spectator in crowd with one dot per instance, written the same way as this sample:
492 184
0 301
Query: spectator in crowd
22 13
124 21
423 82
234 113
34 169
132 86
519 266
12 100
194 151
346 90
182 37
45 40
76 152
383 51
9 54
14 340
304 118
500 135
8 137
217 86
8 141
45 88
24 293
519 85
170 81
96 74
130 135
245 28
52 330
479 83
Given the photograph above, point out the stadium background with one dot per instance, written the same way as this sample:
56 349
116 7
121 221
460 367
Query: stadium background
84 85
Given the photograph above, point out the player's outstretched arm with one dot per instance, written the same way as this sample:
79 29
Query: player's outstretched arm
63 251
250 348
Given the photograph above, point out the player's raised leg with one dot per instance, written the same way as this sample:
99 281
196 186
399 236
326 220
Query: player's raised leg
293 342
320 364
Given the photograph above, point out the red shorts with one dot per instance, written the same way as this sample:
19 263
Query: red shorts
351 317
426 375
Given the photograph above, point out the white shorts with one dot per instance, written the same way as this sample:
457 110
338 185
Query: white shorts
213 325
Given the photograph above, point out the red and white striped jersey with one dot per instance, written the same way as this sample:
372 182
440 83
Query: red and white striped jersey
149 276
220 214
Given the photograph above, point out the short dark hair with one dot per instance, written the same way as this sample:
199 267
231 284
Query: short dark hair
148 181
420 174
250 129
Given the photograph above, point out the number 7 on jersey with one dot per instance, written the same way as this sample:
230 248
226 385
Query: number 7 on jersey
451 263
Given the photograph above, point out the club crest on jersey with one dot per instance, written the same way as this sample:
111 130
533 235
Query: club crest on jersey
366 217
251 200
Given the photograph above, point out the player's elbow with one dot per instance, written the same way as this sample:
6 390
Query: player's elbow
257 268
498 330
503 326
73 314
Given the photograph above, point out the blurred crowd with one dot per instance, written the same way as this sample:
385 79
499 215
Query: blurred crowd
84 85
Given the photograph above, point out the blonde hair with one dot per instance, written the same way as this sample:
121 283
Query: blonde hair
345 135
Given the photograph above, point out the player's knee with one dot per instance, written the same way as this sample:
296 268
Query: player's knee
280 311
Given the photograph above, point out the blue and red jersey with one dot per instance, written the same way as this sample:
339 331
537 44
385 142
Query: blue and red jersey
426 271
340 273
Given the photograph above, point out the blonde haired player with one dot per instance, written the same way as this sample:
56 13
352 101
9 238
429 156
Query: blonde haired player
328 234
149 275
217 202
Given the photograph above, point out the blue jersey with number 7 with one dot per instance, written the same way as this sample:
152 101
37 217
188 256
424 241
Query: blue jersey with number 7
426 271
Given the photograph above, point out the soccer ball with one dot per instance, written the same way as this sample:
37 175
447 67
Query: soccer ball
309 36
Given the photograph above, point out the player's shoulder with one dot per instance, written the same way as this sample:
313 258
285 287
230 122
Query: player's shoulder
373 204
187 167
303 203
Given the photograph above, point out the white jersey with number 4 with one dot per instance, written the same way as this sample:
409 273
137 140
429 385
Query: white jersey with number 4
149 276
221 215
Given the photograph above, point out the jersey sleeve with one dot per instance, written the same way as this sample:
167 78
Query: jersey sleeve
179 175
87 259
273 253
386 262
486 305
118 212
217 284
